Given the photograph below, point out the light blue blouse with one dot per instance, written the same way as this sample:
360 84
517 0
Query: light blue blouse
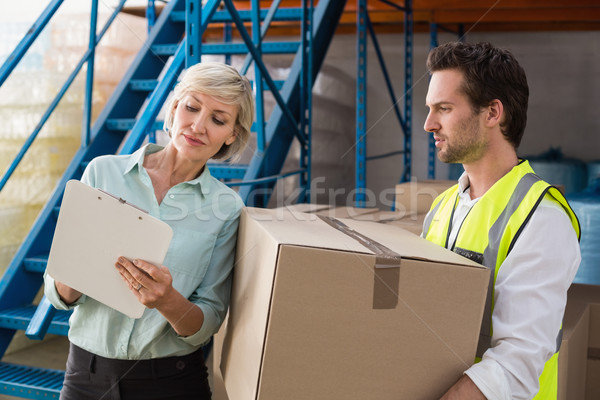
204 214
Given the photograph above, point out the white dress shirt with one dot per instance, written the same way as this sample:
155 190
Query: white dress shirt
530 298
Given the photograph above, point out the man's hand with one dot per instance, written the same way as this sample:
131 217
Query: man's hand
464 389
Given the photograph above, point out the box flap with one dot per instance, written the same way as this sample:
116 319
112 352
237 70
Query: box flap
306 207
348 212
301 229
308 230
410 245
418 195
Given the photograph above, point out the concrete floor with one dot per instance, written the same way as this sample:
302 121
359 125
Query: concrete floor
52 353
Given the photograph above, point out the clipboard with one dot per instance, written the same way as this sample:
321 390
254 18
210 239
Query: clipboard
93 229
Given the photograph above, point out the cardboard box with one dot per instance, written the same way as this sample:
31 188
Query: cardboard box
315 314
572 358
592 383
587 362
411 222
328 210
305 207
349 212
417 196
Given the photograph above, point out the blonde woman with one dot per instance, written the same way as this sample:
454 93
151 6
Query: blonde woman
159 356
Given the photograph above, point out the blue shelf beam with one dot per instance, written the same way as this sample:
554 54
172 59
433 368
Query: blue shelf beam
306 100
408 83
258 80
364 25
193 30
361 105
231 48
280 14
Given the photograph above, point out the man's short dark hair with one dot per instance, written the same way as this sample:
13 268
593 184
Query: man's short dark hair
489 73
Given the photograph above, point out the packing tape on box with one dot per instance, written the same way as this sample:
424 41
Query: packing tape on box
386 281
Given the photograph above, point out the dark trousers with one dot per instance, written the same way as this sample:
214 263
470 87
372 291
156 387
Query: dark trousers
91 377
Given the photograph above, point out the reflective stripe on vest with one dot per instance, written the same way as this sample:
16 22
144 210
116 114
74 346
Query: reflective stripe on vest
503 217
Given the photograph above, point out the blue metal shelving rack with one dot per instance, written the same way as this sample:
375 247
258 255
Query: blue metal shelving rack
364 25
174 40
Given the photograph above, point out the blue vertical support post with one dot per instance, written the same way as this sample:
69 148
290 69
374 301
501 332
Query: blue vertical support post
306 99
227 36
309 80
408 81
361 103
150 14
89 85
433 42
150 20
258 78
193 37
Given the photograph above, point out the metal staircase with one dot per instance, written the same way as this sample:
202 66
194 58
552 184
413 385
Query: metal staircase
130 115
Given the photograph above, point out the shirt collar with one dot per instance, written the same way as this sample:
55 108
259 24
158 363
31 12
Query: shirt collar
137 160
463 182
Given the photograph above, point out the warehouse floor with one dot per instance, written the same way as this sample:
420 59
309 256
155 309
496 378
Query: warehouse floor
52 353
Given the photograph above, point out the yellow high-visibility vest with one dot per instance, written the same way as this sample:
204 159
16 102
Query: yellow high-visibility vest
502 212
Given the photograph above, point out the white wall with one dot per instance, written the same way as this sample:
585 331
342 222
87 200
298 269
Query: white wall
564 96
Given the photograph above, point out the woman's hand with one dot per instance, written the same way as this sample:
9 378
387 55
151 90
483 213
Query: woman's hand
67 294
151 284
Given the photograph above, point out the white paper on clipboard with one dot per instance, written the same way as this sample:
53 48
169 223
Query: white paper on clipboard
94 228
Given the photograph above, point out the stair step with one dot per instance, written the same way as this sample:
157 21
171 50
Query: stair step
231 48
30 382
143 85
148 85
125 124
227 171
19 318
281 14
37 264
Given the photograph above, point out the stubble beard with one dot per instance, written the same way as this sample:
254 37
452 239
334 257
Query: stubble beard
468 145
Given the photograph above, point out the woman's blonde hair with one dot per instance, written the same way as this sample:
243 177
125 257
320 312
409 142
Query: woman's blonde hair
225 84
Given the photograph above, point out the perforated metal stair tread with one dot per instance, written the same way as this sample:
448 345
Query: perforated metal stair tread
30 382
19 318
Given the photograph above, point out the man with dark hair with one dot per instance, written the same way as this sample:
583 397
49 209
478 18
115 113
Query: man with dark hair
503 216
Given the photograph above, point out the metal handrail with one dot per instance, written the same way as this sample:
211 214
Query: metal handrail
17 160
